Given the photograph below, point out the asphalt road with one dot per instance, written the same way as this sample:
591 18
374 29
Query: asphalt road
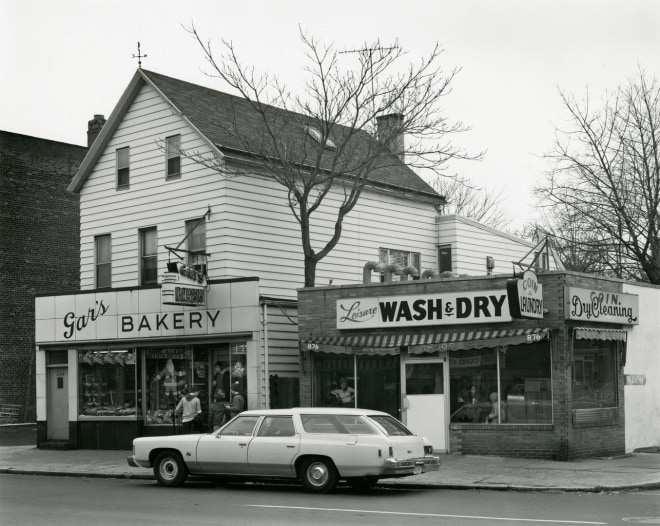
35 499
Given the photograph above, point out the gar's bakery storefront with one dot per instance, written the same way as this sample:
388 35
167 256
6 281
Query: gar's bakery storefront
111 365
531 366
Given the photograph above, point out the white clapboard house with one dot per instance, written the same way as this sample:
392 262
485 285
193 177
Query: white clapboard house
183 268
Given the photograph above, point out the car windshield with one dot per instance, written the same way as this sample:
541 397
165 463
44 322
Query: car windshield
339 424
241 426
391 425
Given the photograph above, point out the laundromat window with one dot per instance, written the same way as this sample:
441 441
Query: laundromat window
58 358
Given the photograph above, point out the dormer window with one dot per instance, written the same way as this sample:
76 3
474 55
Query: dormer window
315 134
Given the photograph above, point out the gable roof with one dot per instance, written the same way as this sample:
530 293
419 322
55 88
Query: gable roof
204 109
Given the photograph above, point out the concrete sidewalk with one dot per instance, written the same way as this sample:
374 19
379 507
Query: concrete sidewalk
635 471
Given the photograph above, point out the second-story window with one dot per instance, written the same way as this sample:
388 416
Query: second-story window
148 256
173 156
196 234
402 258
123 167
103 257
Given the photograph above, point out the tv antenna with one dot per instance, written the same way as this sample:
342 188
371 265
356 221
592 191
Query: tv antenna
139 56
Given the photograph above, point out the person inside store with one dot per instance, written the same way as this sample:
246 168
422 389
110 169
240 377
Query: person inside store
345 394
218 411
237 401
498 409
189 410
220 378
471 399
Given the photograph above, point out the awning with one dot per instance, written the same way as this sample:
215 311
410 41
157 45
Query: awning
590 333
423 342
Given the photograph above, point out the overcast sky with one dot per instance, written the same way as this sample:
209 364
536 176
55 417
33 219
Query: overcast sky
63 61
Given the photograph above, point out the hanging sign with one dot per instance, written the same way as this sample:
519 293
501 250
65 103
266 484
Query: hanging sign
183 285
525 296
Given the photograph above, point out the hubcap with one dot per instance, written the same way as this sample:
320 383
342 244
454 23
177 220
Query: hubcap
168 469
318 474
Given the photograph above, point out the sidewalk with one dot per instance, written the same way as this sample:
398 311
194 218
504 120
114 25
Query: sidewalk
635 471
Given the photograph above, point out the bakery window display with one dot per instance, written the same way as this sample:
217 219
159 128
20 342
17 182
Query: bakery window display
106 383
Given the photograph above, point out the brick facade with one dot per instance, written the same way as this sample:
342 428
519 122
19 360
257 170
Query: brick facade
39 250
564 438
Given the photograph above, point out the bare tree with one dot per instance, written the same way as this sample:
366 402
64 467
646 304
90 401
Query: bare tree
474 203
606 179
344 97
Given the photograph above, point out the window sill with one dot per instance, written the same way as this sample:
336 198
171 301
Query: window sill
500 427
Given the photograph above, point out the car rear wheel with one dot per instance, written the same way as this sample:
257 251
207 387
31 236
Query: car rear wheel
319 475
170 469
362 482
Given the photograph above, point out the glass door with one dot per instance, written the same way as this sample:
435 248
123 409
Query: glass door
424 408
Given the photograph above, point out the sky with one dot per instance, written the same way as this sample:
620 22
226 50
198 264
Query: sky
63 62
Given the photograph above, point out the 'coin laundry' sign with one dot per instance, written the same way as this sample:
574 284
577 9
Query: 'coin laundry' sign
435 309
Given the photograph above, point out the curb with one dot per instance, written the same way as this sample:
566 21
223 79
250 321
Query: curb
385 484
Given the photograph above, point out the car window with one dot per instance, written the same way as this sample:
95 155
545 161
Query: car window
241 426
338 424
391 425
276 426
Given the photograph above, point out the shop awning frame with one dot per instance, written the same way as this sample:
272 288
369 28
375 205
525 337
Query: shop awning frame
419 343
593 333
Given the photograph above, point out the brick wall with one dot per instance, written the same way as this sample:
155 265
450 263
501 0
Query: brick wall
39 249
559 440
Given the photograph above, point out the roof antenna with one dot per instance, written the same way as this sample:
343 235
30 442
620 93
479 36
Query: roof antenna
139 56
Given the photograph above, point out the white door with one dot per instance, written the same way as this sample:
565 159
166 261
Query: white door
423 390
58 403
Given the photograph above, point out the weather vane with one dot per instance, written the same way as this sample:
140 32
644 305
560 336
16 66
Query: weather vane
139 56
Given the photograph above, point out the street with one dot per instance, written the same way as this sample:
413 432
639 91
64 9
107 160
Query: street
36 499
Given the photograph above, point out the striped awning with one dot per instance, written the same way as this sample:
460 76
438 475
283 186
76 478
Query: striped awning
591 333
423 342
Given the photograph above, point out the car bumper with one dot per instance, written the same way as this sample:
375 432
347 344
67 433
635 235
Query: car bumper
135 464
411 466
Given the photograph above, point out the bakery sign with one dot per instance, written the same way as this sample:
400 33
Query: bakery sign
452 308
525 296
603 307
183 285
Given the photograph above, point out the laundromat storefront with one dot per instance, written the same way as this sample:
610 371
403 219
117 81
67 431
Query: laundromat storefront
490 361
549 387
115 364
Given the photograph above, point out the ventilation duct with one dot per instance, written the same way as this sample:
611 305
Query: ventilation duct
371 266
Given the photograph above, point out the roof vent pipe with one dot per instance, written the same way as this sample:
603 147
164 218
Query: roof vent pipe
430 274
390 270
371 266
409 272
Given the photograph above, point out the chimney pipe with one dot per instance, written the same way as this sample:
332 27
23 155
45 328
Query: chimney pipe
390 134
94 128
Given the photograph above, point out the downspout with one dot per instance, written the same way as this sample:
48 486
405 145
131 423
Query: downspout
267 379
355 397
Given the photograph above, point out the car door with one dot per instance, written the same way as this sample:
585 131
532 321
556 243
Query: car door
273 449
226 452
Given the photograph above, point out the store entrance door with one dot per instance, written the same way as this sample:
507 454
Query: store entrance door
58 403
423 390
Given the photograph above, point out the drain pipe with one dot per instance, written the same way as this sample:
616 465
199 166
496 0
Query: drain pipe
267 379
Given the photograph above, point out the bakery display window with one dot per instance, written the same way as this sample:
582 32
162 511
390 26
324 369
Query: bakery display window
107 383
168 373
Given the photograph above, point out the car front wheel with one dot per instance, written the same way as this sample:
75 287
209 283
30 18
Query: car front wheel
319 475
169 469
